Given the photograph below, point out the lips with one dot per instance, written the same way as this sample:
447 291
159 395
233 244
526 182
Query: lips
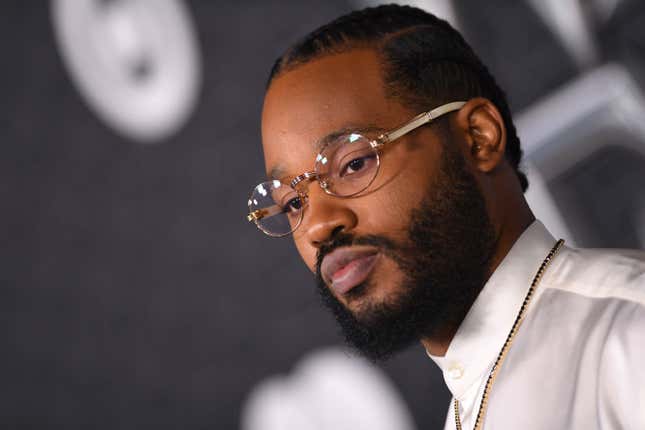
345 268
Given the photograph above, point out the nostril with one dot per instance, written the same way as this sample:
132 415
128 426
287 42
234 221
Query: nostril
333 234
336 231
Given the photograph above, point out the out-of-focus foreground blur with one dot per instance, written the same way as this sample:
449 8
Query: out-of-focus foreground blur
134 294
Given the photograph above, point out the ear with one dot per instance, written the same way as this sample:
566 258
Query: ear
483 129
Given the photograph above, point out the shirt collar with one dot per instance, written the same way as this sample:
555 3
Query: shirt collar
481 335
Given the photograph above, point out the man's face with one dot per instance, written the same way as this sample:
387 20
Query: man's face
390 262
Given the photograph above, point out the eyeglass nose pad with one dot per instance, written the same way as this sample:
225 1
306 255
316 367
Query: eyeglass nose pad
323 184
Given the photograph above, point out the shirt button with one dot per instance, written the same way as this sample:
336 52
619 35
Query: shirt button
455 371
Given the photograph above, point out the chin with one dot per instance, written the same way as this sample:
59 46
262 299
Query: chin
367 301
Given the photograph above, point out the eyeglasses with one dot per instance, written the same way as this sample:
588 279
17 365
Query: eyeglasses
344 168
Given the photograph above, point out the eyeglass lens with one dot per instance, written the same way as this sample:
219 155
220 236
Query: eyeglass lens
345 167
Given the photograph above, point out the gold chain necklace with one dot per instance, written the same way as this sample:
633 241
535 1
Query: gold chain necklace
509 340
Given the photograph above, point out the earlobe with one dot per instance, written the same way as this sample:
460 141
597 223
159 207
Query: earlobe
485 133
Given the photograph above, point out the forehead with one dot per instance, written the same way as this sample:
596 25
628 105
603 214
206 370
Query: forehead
304 105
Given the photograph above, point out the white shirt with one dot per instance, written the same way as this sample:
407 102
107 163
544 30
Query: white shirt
578 360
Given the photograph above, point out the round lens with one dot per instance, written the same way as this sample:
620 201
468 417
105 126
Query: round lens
276 208
348 165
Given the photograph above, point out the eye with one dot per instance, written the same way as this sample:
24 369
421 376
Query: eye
357 164
292 206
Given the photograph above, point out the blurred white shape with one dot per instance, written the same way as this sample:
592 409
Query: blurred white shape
329 389
136 62
557 126
443 9
558 132
567 20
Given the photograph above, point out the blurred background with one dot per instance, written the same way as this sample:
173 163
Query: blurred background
133 292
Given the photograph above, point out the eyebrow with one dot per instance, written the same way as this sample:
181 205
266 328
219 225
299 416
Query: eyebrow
280 171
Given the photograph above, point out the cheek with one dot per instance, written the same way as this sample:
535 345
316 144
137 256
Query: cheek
385 213
397 193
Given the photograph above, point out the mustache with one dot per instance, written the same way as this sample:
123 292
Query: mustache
386 245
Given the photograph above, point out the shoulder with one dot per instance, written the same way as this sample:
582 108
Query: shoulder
600 274
589 326
602 296
593 304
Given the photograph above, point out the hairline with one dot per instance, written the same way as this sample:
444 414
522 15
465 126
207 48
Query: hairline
352 46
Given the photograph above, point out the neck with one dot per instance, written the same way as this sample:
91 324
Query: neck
508 234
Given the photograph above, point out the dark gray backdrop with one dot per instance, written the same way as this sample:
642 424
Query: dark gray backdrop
133 292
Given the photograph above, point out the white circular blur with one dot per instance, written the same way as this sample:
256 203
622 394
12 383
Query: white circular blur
135 62
328 390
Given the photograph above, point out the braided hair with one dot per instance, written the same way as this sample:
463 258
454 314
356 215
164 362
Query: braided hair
425 61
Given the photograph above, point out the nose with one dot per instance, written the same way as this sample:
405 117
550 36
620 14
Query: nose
326 216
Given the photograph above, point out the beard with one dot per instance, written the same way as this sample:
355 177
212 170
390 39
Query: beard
444 261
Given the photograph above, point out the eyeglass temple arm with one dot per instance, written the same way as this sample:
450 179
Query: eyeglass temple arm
258 214
420 120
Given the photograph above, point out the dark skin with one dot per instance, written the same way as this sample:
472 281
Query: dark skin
339 91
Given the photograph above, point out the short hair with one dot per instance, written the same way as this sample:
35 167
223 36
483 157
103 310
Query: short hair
425 61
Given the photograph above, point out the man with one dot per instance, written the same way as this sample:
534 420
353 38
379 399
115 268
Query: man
393 163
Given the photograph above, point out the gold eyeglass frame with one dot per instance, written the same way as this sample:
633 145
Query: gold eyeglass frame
413 124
